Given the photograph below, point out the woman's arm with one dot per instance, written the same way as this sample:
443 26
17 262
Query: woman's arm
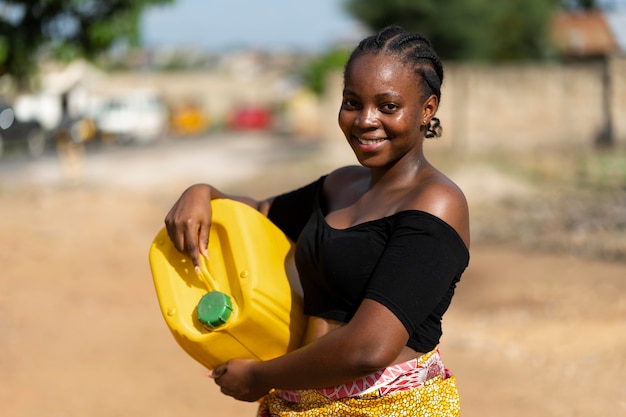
372 340
189 220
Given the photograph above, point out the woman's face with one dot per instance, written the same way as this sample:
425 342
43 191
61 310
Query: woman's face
383 109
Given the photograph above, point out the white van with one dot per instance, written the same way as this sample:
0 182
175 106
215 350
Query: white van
132 116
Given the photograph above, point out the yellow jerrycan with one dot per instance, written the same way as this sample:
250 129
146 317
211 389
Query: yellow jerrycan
246 302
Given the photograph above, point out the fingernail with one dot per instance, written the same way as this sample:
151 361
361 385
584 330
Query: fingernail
197 270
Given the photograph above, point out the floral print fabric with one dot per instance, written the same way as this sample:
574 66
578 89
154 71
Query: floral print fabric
419 387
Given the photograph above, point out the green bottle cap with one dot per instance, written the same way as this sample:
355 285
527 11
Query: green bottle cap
214 309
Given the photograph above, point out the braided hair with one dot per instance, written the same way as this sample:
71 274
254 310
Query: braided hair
413 49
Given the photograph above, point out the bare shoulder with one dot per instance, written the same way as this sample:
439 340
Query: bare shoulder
441 197
343 178
347 174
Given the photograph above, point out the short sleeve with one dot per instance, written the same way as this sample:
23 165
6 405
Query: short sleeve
291 211
423 261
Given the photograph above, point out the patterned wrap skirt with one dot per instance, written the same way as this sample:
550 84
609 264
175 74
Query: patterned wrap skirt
418 387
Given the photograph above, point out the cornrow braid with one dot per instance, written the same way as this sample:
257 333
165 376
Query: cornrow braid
413 49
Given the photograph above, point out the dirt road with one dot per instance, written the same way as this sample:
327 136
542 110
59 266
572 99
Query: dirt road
81 333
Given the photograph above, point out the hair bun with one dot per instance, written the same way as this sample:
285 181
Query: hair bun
434 129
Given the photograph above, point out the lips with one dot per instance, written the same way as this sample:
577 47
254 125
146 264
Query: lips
369 142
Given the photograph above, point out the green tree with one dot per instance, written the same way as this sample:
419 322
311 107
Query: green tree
64 28
594 4
490 30
314 75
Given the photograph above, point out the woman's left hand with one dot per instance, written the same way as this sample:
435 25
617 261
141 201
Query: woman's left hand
236 378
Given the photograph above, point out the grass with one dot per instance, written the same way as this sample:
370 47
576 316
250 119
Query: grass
578 207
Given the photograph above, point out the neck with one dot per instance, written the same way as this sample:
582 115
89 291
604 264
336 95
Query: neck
402 172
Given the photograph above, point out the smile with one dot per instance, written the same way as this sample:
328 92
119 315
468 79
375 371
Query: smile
369 141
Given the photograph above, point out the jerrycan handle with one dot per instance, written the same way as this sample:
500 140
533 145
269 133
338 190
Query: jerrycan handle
214 309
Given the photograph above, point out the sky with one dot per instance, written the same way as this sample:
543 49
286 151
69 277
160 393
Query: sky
309 25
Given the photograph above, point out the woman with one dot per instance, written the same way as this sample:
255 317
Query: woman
380 248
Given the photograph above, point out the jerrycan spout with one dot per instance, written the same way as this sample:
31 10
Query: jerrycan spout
214 309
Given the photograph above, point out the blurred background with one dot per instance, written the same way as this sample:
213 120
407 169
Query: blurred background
109 109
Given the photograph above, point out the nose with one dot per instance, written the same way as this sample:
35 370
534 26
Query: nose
367 117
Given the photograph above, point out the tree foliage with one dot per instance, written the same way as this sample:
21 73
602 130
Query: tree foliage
489 30
315 73
65 29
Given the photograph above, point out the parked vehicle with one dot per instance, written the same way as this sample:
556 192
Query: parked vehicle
187 119
134 116
28 134
250 118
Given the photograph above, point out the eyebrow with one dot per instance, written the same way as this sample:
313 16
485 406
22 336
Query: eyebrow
378 96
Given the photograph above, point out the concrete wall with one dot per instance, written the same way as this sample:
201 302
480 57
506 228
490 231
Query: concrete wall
216 94
483 108
527 107
522 108
618 99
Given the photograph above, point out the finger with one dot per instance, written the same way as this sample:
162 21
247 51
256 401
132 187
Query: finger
173 231
178 240
203 239
218 372
191 245
170 226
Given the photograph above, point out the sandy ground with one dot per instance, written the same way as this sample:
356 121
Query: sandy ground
81 334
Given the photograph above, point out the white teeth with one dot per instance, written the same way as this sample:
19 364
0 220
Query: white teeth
370 142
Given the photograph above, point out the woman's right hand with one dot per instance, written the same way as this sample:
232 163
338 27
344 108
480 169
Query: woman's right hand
189 220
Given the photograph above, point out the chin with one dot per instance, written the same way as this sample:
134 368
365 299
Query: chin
369 162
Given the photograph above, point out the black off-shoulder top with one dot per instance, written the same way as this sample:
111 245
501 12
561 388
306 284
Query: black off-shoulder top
410 262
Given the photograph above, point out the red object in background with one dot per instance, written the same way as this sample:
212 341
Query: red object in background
250 118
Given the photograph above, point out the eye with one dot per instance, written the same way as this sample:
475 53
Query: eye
389 107
349 104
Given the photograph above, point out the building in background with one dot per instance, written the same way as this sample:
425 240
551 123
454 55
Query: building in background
584 34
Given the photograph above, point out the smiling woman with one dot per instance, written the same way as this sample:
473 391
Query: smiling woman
380 249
